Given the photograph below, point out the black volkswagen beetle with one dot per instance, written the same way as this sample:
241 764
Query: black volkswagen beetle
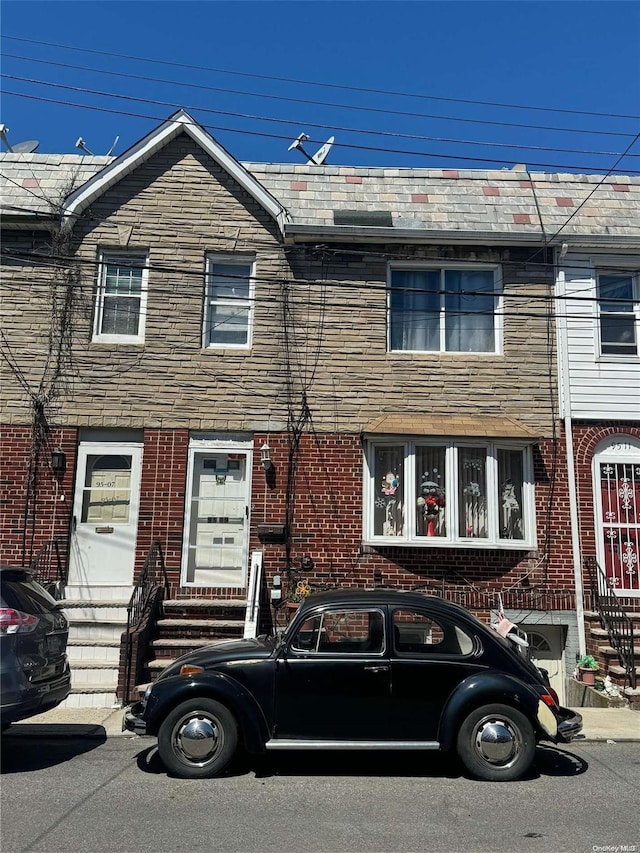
358 669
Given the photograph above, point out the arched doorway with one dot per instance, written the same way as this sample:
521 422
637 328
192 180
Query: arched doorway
616 479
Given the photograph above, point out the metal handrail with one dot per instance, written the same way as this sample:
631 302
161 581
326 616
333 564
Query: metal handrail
47 567
616 622
152 577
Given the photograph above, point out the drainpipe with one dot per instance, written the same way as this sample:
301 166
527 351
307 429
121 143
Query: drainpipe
565 398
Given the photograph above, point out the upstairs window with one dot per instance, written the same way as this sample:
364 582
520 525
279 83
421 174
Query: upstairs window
619 308
448 493
228 302
443 309
121 298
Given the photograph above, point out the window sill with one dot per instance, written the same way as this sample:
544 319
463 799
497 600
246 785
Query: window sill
438 542
114 340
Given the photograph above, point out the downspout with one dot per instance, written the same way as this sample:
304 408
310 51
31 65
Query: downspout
565 402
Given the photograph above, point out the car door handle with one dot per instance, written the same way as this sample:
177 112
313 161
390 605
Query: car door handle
381 668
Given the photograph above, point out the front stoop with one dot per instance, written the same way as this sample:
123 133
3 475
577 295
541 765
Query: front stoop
598 644
97 620
188 624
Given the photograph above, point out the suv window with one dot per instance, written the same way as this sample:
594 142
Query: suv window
22 593
420 633
340 631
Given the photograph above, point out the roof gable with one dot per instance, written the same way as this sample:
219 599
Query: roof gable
180 122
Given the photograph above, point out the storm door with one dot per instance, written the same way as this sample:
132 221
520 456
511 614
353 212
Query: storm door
105 515
617 486
215 552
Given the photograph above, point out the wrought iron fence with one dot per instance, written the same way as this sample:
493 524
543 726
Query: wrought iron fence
151 588
615 621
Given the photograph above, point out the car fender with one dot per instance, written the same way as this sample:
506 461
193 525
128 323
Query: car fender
167 693
488 688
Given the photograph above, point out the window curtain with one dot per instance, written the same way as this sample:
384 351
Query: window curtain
415 310
469 315
510 478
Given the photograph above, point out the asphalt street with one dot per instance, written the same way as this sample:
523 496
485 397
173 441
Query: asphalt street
93 795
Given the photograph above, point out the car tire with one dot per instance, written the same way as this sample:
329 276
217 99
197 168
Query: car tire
496 743
198 739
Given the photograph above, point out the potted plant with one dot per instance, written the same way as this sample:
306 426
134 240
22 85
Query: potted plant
297 593
587 667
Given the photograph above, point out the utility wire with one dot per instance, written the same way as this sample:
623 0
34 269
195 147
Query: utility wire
265 135
341 86
366 131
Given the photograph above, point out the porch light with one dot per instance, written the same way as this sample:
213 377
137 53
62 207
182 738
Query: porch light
265 457
58 461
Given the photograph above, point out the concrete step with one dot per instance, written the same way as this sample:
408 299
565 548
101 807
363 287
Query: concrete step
203 603
95 611
98 593
91 696
609 651
105 650
94 672
88 629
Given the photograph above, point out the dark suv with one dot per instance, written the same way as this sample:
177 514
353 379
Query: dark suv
34 671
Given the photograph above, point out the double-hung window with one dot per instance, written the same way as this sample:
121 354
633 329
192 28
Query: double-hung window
228 302
443 309
619 309
121 298
445 492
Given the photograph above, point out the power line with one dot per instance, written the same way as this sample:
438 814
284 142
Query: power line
340 86
265 135
512 146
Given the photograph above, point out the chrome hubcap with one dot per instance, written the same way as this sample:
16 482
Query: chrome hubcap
497 741
197 739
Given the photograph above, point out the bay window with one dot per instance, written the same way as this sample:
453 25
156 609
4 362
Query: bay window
444 309
445 492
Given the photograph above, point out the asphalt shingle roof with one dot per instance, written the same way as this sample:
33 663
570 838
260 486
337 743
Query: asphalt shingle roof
501 202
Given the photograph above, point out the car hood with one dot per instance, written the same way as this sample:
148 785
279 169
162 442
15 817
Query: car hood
216 653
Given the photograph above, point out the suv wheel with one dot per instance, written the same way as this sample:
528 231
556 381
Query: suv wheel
198 739
496 743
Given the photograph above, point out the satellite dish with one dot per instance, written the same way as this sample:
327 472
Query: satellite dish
320 156
26 147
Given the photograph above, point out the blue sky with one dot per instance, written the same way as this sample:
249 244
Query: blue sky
571 56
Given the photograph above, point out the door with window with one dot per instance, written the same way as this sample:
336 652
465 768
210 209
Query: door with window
105 515
216 525
616 475
546 645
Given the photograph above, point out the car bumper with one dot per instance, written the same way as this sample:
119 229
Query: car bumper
569 726
132 720
19 704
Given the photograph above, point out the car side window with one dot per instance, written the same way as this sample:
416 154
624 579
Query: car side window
342 631
415 632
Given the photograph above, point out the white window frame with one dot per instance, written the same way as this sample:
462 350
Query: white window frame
105 257
610 270
462 267
215 258
410 490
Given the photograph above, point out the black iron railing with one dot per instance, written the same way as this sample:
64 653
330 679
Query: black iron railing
49 568
615 621
149 592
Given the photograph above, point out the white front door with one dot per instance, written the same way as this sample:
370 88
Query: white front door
216 524
546 645
105 515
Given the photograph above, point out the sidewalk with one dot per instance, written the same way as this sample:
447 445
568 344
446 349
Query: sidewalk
599 724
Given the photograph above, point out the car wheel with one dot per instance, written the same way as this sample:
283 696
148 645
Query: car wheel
496 743
198 739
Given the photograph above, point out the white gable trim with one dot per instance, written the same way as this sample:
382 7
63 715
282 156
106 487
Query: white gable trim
143 149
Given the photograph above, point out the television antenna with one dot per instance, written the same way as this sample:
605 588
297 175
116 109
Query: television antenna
80 143
26 147
320 156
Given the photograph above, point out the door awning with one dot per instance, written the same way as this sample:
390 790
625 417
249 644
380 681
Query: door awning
469 426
